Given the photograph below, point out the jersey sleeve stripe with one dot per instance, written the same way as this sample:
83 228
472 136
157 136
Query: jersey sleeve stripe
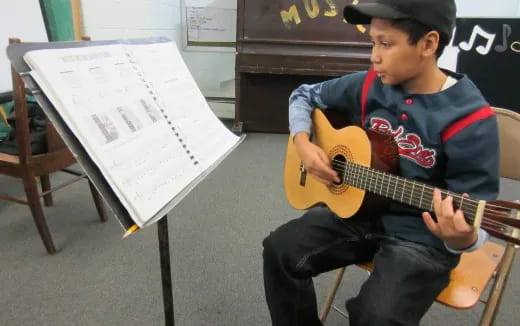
369 79
459 125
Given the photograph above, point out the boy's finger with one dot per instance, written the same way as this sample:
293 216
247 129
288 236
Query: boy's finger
437 202
430 223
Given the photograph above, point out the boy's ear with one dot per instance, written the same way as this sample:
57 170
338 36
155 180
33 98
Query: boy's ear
430 43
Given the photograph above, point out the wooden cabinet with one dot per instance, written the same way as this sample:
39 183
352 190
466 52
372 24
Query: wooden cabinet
284 43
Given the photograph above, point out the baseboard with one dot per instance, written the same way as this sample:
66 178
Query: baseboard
223 110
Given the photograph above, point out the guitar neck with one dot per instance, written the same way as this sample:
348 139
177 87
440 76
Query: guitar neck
399 189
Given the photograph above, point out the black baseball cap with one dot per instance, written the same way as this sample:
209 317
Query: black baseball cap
439 15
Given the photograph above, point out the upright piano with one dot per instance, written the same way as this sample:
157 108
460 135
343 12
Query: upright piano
284 43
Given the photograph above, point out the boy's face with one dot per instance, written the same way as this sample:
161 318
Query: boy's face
395 60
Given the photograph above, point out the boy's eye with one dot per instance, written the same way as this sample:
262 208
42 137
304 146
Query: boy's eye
380 43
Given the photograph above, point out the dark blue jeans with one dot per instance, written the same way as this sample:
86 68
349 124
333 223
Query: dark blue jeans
406 280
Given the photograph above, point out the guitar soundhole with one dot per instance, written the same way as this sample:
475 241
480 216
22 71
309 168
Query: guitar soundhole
339 154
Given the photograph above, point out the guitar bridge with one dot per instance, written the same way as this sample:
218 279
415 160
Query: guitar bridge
303 175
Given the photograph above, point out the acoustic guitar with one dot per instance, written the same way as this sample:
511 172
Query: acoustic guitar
366 162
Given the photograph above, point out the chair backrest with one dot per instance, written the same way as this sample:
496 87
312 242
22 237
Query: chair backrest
53 141
21 117
509 137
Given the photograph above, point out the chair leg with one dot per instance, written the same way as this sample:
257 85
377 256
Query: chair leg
98 201
46 186
31 191
493 302
332 293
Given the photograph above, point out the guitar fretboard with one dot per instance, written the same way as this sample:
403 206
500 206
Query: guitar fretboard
399 189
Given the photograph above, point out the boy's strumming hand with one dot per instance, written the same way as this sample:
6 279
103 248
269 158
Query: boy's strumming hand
451 226
314 159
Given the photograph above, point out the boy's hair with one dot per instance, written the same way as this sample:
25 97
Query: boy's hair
416 30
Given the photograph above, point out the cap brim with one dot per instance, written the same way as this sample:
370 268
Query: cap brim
362 13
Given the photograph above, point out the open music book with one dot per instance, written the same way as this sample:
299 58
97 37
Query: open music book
140 117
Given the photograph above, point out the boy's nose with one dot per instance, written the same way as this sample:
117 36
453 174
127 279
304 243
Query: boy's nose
374 58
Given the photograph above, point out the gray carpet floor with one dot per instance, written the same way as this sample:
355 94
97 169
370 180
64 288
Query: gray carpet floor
97 278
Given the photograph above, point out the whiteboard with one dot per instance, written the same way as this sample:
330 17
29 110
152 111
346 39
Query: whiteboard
209 25
21 19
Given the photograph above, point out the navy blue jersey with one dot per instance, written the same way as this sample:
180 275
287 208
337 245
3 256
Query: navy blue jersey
448 139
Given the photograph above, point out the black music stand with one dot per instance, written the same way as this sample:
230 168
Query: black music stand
15 53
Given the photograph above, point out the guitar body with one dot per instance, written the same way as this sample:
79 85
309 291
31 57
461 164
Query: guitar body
341 142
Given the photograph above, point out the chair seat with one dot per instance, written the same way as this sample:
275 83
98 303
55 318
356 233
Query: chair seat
469 278
9 158
41 164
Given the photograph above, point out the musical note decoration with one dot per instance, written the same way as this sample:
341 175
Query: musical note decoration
481 49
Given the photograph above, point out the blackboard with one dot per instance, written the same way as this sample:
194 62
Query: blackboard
489 53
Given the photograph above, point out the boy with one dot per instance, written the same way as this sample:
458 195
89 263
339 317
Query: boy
447 137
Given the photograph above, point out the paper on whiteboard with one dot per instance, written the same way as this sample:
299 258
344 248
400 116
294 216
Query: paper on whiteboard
214 25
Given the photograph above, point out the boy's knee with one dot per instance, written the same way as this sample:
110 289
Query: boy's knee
268 246
272 247
279 251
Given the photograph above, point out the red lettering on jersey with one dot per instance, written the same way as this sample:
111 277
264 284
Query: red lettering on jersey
410 145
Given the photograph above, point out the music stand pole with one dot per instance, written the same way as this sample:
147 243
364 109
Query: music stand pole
166 276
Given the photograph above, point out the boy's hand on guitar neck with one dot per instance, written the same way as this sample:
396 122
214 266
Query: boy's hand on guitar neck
314 159
451 226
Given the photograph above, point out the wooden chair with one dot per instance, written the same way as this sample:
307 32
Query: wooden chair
28 167
471 277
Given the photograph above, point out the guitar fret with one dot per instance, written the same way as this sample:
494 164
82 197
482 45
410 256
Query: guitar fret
356 176
422 194
411 193
393 195
431 203
382 182
402 191
375 183
365 177
369 180
360 179
388 185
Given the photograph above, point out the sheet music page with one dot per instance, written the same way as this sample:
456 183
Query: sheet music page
163 66
109 105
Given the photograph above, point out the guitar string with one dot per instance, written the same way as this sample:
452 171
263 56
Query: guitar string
490 224
497 226
467 204
410 202
342 165
464 205
396 179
